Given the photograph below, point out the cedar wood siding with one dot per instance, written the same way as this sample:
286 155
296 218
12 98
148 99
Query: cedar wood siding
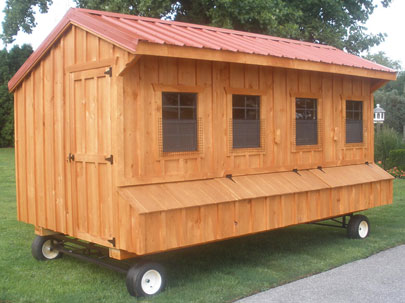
50 193
43 132
215 82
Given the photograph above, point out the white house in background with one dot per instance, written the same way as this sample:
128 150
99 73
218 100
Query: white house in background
379 114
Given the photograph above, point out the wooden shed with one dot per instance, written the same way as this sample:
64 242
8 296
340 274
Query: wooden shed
143 135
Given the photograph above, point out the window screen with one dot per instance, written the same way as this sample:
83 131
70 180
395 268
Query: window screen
306 118
245 121
354 121
179 122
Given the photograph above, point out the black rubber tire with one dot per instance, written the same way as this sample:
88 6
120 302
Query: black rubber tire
354 228
135 275
37 245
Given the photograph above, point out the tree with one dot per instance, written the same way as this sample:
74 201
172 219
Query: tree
338 23
381 58
10 63
385 141
394 105
20 15
391 97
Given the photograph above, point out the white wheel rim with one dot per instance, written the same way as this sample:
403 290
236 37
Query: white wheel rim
48 251
363 229
151 282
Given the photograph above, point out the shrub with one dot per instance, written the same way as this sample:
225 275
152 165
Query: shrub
396 172
386 140
397 158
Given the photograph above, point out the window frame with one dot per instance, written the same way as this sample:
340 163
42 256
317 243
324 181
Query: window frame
262 94
245 108
352 112
319 112
178 121
158 89
365 127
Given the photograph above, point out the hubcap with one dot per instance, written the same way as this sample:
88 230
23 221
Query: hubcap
363 229
48 251
151 282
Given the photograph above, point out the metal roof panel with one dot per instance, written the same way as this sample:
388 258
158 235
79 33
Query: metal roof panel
126 30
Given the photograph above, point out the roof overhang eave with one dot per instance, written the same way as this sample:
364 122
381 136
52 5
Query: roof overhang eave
165 50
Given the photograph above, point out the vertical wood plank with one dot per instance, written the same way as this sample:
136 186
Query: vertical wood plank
154 232
30 150
49 141
337 118
59 137
205 113
236 75
105 49
186 72
193 225
92 47
289 210
125 235
301 201
226 212
259 218
251 76
68 129
168 71
274 212
243 217
17 98
220 125
282 147
39 146
80 45
22 151
175 232
266 83
209 222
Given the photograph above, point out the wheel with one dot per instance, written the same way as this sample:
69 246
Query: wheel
358 227
146 279
42 248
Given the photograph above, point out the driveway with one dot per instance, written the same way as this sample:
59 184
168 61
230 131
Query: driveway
379 278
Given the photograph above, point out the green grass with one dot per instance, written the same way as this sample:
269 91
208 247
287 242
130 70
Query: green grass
219 272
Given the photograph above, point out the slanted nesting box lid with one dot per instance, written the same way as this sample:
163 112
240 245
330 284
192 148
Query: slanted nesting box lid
149 36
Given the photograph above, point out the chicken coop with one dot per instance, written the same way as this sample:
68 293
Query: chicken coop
136 136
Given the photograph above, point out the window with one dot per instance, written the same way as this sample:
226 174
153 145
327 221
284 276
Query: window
245 121
179 122
354 121
306 121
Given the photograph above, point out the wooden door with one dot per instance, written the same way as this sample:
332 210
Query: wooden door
90 156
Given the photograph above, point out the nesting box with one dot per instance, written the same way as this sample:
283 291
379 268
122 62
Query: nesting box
144 135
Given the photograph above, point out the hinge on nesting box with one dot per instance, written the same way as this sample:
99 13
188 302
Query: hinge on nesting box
110 159
112 241
108 71
229 176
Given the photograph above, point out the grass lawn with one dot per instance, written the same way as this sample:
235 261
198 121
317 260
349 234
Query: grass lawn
220 272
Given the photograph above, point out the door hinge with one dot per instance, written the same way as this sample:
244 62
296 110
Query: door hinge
108 71
71 157
110 159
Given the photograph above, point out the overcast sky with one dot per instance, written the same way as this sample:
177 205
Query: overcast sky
387 20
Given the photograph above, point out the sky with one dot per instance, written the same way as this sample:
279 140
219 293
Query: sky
386 20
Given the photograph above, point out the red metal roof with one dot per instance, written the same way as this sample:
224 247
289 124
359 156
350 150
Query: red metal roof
126 31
